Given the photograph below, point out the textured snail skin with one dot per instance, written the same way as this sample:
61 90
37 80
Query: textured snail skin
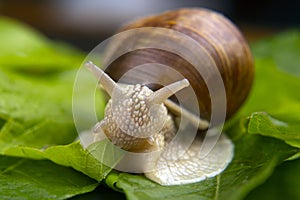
190 167
131 115
217 35
136 118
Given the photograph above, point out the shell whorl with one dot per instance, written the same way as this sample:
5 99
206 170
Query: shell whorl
215 33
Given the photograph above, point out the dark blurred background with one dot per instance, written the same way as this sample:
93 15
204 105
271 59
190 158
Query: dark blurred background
87 23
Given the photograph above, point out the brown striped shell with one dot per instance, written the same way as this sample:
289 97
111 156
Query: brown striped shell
222 40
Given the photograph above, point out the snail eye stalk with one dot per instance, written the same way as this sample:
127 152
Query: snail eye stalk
108 84
164 93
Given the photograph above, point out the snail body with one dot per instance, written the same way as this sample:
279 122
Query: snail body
140 118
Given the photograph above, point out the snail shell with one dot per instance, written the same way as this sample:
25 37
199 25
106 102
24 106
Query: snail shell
221 39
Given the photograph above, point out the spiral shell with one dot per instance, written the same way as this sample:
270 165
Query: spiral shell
220 38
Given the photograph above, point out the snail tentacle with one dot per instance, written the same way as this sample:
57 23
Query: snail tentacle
108 84
164 93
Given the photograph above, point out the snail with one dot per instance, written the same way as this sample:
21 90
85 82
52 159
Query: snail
141 116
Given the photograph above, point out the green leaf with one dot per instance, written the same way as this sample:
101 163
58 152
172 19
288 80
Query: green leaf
26 51
72 155
274 92
264 124
35 108
34 113
247 170
36 87
28 179
283 184
283 49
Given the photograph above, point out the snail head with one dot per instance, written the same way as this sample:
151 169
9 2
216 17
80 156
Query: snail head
136 109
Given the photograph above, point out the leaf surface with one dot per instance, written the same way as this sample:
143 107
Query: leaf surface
28 179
